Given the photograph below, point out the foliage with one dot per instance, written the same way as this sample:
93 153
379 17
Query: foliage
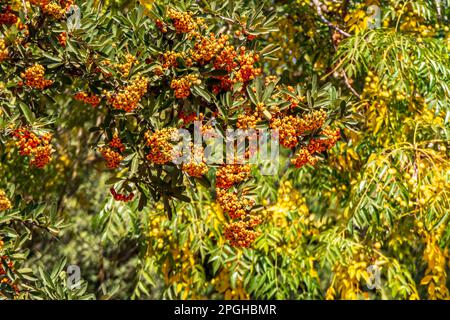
87 114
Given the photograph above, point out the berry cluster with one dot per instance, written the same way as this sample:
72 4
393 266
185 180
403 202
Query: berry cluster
34 77
311 121
38 148
240 233
306 154
231 174
371 85
5 204
320 145
7 17
248 119
51 8
92 99
187 117
66 3
379 92
117 143
287 127
294 98
169 59
124 68
196 167
3 50
225 84
182 21
112 157
232 205
212 48
246 62
112 153
62 39
413 21
241 67
161 26
271 79
128 98
303 157
6 264
161 148
292 127
182 86
5 260
226 59
121 197
244 74
206 48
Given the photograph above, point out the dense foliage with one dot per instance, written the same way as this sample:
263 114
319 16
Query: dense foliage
92 97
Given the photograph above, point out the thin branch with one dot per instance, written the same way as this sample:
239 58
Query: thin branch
344 8
229 20
32 224
25 10
326 21
344 74
438 9
347 83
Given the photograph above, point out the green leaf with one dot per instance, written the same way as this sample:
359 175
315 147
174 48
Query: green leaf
198 91
29 116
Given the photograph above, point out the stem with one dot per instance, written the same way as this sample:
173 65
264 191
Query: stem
438 9
318 5
349 86
25 9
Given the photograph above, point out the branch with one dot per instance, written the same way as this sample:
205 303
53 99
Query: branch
344 74
218 15
347 83
32 224
438 9
326 21
25 10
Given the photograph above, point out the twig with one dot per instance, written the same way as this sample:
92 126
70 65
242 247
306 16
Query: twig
25 10
438 9
229 20
32 224
344 8
347 83
344 74
326 21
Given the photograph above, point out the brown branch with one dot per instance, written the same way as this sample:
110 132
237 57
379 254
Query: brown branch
318 5
344 8
344 74
25 10
349 86
438 9
34 225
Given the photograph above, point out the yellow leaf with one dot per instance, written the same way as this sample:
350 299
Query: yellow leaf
378 125
147 3
353 154
426 280
185 294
